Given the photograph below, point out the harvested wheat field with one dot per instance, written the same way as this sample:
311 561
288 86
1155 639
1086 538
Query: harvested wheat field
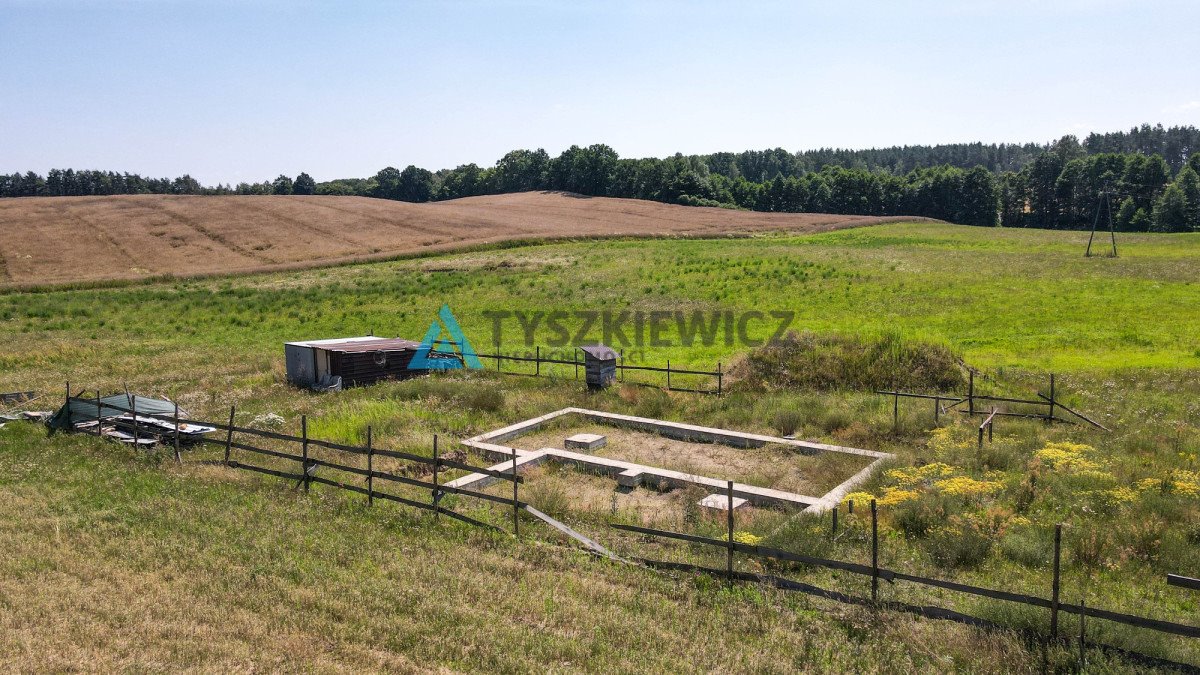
53 240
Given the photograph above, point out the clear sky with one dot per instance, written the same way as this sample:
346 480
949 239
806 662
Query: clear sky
233 91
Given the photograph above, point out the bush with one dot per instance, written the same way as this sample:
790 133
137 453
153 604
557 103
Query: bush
960 543
832 363
786 422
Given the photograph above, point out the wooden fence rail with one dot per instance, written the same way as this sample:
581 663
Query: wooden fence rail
892 576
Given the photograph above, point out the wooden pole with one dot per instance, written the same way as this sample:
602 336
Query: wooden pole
229 435
177 459
304 450
67 401
991 425
1055 589
874 553
133 408
575 358
99 425
834 528
537 359
937 410
850 507
436 514
516 506
729 524
896 413
668 374
720 377
370 468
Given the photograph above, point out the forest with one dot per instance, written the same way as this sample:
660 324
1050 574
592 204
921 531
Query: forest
1150 174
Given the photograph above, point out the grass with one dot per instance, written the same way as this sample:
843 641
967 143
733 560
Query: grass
1122 334
200 568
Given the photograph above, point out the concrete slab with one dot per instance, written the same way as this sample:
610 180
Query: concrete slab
629 474
586 442
721 502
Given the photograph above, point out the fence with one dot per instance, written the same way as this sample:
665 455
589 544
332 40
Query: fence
308 464
538 360
876 573
973 400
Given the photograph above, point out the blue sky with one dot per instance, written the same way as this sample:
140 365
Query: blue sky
233 91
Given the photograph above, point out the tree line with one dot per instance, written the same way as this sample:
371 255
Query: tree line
1150 174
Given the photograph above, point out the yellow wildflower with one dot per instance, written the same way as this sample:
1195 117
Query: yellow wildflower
967 487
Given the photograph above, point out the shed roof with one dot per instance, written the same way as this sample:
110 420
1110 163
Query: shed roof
599 351
361 344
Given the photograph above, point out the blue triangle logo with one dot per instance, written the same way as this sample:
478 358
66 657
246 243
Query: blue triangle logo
422 359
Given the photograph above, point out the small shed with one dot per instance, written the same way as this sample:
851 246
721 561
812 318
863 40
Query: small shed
354 361
600 365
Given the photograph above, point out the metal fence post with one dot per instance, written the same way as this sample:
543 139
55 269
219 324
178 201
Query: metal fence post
516 503
971 392
874 553
229 434
1054 591
99 425
834 528
436 462
133 408
720 377
537 361
896 413
668 374
1050 417
729 524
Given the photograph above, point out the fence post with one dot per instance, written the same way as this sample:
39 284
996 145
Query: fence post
1082 634
436 514
67 402
229 434
575 358
971 392
834 528
992 424
177 459
720 377
937 410
850 506
516 507
896 413
370 468
668 374
304 450
874 553
1054 591
537 361
1050 417
99 426
980 444
133 408
729 524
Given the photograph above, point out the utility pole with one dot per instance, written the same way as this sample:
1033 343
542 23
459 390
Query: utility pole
1103 202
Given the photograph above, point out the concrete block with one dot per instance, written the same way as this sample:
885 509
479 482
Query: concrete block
586 442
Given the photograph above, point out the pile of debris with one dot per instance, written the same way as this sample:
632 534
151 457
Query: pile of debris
112 417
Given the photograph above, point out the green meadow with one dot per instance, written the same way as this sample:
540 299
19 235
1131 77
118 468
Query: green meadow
1123 336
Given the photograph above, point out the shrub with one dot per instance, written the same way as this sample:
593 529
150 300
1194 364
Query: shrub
959 543
786 422
831 362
